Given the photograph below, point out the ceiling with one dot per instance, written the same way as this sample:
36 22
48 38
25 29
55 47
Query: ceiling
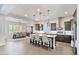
29 11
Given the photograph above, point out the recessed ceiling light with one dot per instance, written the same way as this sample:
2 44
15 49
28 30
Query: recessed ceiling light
66 12
25 15
38 9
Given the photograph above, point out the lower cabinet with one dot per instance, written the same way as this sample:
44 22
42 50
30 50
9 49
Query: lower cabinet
64 38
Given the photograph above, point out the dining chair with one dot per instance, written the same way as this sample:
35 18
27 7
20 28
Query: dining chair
45 40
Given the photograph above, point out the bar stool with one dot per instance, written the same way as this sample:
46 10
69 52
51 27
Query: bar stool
38 41
46 42
32 38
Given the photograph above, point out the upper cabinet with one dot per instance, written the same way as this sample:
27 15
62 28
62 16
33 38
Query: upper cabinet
53 26
67 26
39 27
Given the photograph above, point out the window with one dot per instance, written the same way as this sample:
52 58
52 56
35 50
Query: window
39 27
15 28
53 26
67 26
20 28
10 28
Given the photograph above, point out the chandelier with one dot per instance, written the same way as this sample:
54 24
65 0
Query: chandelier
39 14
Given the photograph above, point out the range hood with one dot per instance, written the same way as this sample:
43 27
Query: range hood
60 25
60 22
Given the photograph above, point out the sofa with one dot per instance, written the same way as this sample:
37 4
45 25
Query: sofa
19 35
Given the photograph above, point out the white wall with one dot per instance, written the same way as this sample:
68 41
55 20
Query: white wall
2 30
78 29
